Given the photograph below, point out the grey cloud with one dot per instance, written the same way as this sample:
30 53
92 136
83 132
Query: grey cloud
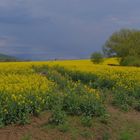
44 29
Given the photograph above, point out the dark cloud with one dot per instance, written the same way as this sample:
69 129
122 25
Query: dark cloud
40 29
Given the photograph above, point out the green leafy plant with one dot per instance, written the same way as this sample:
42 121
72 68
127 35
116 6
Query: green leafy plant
86 121
58 116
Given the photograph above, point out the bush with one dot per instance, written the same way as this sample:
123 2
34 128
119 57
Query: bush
96 57
130 61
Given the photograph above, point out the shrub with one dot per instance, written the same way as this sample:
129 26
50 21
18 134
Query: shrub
96 57
130 61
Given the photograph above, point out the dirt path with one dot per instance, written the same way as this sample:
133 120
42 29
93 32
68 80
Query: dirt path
34 131
19 132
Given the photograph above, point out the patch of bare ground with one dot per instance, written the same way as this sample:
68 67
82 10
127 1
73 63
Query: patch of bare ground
119 124
124 122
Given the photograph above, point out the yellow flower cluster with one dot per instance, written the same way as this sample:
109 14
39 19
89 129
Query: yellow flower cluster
21 85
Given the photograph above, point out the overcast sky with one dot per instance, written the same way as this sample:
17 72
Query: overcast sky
48 29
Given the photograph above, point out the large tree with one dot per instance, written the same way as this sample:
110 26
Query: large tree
123 44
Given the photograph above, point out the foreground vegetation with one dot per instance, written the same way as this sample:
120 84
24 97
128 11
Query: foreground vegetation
67 90
123 82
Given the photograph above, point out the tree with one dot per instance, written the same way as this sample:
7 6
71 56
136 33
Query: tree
123 44
96 57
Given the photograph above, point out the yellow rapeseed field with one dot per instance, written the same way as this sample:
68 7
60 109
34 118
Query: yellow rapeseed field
124 77
24 91
20 76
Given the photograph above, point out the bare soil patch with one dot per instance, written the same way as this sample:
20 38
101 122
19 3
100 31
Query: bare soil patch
119 122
